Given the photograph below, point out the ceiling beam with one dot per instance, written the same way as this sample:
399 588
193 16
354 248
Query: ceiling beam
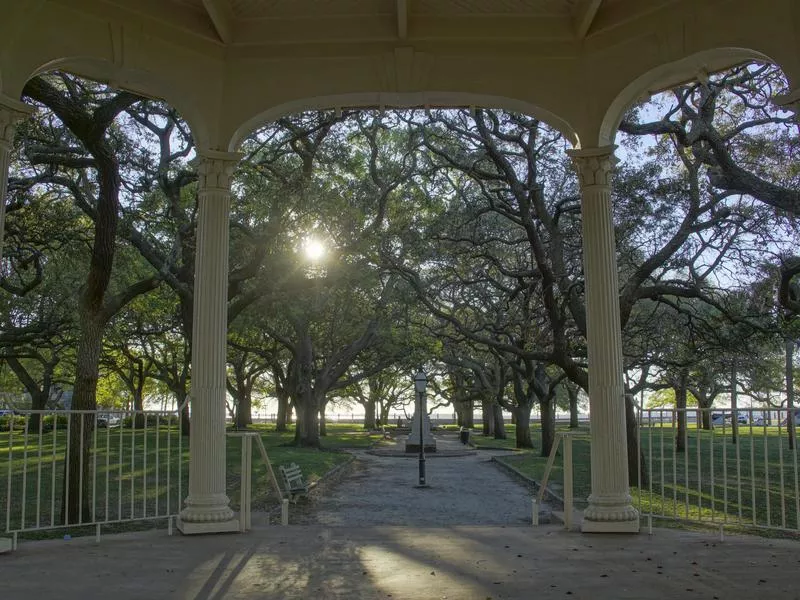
402 19
582 19
219 11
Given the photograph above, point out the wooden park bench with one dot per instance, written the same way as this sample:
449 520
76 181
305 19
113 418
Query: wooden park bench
293 481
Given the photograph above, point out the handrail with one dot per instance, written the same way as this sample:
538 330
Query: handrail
246 478
568 487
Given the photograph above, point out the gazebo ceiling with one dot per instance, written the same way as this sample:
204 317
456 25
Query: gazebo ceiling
269 22
231 65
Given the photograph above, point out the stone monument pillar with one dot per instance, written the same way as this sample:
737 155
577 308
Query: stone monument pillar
412 443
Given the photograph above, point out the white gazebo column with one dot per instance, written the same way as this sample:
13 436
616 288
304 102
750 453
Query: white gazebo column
207 509
11 111
610 508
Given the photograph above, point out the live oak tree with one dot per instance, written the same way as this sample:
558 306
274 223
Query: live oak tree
82 157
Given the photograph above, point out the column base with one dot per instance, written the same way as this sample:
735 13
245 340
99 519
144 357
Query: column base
192 528
588 526
612 513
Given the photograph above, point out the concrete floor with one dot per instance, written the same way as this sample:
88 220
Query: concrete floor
459 563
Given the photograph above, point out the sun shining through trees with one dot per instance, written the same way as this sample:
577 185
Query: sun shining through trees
314 249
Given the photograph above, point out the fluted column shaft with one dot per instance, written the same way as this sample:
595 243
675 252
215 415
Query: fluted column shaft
207 509
610 508
11 112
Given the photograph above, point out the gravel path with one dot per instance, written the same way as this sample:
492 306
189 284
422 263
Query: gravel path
379 490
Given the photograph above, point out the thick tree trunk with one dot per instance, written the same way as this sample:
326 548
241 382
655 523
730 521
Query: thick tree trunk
369 415
244 408
306 432
547 410
680 405
635 455
138 407
469 416
38 402
572 392
790 421
323 423
499 423
459 414
180 398
284 411
384 412
75 502
487 417
522 415
706 416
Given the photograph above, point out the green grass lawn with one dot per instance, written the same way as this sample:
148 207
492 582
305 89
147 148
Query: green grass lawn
482 441
142 474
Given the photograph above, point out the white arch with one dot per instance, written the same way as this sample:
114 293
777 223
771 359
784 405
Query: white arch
402 100
669 75
140 82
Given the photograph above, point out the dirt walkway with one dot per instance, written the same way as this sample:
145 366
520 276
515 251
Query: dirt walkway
379 490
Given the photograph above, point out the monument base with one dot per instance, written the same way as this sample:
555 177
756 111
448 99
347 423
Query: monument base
414 448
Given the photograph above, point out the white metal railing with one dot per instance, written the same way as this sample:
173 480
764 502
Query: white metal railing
135 469
726 468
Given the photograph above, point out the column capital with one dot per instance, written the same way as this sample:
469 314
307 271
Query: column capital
594 165
11 112
216 169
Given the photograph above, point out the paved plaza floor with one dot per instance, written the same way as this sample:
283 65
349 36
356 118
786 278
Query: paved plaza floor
465 488
457 563
338 555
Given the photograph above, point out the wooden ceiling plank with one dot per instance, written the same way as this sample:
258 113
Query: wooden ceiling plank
402 19
585 13
219 11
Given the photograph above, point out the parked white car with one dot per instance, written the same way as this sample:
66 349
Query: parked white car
719 418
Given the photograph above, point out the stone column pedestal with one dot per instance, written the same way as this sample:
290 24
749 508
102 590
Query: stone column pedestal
207 506
610 508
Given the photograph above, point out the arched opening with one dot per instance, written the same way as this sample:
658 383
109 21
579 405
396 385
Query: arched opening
715 155
670 75
382 100
147 84
89 275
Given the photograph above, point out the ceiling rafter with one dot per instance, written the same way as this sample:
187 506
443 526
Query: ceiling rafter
402 19
584 15
221 15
